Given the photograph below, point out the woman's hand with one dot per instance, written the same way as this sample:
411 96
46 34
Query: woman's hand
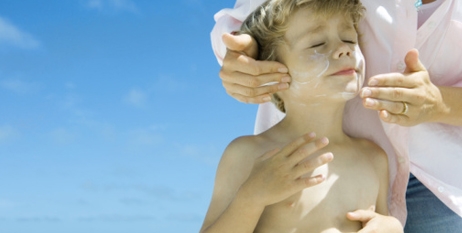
375 223
281 173
406 99
244 78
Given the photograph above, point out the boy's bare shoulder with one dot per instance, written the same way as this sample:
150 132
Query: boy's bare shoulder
237 161
245 147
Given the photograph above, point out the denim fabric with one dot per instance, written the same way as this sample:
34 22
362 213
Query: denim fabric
426 213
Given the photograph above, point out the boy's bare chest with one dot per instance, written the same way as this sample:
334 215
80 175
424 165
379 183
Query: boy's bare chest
351 183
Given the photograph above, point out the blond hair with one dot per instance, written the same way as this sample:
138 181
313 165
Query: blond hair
268 24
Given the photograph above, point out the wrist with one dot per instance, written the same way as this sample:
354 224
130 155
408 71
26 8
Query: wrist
448 111
250 198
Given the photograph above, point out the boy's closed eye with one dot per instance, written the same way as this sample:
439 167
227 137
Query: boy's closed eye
316 45
350 41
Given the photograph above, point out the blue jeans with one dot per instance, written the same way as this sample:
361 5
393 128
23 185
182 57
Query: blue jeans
426 213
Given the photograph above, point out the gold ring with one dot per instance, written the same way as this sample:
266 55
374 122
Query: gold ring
405 108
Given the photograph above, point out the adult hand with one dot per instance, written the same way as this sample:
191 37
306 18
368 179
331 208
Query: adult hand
244 78
375 223
407 98
281 173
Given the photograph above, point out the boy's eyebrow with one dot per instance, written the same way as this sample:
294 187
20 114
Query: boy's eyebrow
310 30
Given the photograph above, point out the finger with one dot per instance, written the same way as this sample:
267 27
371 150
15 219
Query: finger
388 93
306 150
290 148
372 208
394 107
269 154
245 64
361 215
308 166
242 43
256 67
233 88
251 100
247 80
413 63
399 119
256 97
391 80
302 183
367 229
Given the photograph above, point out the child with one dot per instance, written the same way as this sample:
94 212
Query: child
297 186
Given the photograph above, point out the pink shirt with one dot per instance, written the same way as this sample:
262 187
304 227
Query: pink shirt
431 151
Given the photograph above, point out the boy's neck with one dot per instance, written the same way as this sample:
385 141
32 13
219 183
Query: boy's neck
325 119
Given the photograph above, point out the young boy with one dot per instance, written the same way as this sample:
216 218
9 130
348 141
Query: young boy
285 180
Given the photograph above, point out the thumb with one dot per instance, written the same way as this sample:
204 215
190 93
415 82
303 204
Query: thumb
412 61
362 215
242 43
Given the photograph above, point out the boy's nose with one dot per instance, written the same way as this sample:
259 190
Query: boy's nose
343 49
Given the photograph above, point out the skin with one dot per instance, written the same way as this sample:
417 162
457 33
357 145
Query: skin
242 77
426 102
260 193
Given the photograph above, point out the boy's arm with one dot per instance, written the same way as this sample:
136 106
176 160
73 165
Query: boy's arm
244 186
228 210
380 161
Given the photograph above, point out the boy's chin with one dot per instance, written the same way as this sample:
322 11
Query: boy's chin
349 95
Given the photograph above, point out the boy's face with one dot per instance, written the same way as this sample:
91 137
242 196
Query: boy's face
323 56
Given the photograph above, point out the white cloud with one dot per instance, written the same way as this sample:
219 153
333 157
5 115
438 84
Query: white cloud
166 83
4 203
117 5
8 133
12 35
19 86
62 136
208 155
143 137
184 217
39 219
136 97
118 218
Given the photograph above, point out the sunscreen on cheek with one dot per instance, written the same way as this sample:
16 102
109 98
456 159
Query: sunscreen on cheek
317 64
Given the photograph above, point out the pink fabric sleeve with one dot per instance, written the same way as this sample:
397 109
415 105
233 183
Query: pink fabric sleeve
228 20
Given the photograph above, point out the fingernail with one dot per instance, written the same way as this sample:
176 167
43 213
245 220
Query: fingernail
285 79
385 114
283 70
324 141
373 82
283 86
366 93
370 102
266 99
329 156
312 135
353 215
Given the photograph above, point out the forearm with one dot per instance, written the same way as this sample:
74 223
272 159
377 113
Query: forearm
242 215
451 112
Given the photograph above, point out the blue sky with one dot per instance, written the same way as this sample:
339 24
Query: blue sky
112 116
